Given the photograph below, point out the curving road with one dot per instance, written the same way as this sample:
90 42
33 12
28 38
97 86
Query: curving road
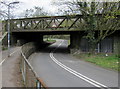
57 68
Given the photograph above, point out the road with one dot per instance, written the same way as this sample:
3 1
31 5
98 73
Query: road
57 68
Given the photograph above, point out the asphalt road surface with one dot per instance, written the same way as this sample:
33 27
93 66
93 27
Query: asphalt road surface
57 68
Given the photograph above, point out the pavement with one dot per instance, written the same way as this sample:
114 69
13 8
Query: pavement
0 29
0 55
10 71
0 67
57 68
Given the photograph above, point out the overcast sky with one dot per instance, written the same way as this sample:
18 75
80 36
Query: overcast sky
28 4
46 4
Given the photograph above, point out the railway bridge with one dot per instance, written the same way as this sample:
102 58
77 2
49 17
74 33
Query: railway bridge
33 29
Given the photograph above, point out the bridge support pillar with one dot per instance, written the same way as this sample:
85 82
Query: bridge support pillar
13 40
20 42
75 40
38 38
31 37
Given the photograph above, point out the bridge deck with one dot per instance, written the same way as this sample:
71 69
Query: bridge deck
50 23
46 32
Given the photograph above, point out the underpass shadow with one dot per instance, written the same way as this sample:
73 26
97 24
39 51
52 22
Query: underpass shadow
49 48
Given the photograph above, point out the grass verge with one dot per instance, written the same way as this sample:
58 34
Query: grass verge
4 48
110 62
50 40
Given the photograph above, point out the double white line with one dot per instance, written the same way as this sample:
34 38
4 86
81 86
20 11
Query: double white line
77 74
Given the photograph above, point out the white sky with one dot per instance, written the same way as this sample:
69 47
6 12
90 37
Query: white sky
28 4
46 4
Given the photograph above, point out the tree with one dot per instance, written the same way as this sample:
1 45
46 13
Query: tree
3 13
4 9
35 12
39 11
99 19
105 25
28 13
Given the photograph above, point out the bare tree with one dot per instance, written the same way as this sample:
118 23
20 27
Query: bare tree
99 19
3 13
39 11
35 12
4 9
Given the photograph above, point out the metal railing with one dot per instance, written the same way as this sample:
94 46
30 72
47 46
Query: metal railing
30 77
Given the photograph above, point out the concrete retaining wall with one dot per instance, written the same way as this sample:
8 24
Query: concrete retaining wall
30 78
28 48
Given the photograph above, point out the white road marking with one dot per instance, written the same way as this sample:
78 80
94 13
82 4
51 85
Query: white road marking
13 52
79 75
2 61
7 57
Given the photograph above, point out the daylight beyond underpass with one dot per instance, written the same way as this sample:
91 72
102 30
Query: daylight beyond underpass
57 68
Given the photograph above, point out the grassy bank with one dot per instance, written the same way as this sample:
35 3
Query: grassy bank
4 48
110 62
50 40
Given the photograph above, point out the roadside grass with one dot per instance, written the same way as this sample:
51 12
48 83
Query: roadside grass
4 48
110 62
50 40
68 42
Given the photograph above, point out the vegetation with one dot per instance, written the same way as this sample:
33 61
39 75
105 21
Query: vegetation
57 37
4 48
4 9
110 62
96 27
3 14
35 12
49 40
32 12
118 53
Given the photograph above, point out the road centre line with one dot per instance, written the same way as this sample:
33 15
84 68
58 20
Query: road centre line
77 74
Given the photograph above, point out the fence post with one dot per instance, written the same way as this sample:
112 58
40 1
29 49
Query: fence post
38 84
24 71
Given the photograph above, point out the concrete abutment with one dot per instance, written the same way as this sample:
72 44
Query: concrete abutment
75 40
13 40
23 38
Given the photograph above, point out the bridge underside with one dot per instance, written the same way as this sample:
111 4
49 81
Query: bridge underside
33 29
37 36
44 32
76 39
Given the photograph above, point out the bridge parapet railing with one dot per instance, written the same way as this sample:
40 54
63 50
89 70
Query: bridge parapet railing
47 23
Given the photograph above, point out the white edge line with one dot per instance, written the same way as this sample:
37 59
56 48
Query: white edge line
7 57
93 82
72 72
2 61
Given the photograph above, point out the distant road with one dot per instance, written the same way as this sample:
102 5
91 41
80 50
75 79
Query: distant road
57 68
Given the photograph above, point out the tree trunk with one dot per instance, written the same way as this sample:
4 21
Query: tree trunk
93 46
